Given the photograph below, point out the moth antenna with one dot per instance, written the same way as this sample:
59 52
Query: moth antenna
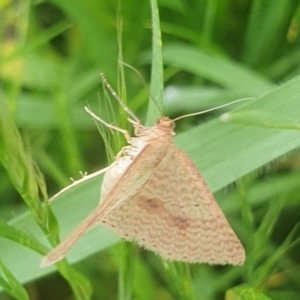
212 109
115 95
110 126
143 83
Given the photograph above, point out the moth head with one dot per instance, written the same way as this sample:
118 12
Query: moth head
165 124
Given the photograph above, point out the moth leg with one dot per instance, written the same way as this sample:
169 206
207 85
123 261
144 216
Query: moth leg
85 178
121 152
137 125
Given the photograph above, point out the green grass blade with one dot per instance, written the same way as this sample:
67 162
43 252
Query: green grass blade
218 69
261 37
39 41
156 87
11 284
14 234
262 119
18 164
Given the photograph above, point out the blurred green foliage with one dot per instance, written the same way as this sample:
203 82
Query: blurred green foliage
51 55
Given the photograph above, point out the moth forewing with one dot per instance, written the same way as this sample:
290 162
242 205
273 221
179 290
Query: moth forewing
175 215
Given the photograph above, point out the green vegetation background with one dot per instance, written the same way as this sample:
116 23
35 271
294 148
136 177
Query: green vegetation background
213 52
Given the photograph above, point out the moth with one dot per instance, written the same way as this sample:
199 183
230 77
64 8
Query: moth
153 194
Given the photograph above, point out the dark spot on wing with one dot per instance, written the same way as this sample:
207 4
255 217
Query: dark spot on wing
180 222
151 205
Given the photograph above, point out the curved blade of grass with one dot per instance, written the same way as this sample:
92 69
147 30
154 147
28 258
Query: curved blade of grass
261 37
14 234
40 40
262 119
11 284
271 262
218 69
